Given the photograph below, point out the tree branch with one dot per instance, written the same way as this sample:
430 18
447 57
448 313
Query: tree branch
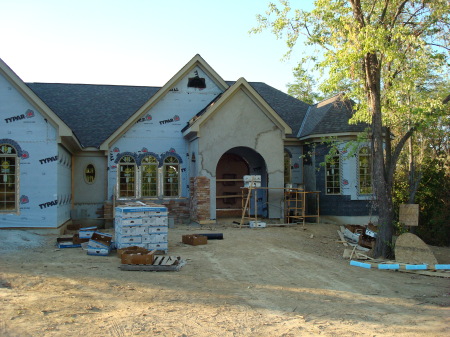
399 11
396 154
371 11
383 13
357 12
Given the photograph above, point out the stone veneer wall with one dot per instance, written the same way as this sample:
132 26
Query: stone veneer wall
199 198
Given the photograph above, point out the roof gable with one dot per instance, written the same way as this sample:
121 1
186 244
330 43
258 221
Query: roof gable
196 61
195 123
289 108
64 132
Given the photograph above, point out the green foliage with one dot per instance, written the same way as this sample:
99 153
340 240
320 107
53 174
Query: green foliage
403 35
384 54
304 87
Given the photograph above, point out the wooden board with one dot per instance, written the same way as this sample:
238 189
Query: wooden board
409 214
409 248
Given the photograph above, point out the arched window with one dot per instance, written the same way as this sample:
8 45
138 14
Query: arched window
9 163
149 177
171 176
365 171
333 177
127 177
287 168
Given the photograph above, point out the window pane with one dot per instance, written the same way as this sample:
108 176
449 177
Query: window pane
8 179
127 175
287 168
171 177
365 171
149 179
333 185
89 174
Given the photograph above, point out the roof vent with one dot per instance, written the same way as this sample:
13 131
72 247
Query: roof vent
196 82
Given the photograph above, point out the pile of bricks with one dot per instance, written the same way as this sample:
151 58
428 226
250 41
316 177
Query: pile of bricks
179 209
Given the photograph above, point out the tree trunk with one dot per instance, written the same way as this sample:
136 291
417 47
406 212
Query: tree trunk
382 187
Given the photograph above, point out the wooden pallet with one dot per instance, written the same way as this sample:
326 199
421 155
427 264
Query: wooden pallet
161 263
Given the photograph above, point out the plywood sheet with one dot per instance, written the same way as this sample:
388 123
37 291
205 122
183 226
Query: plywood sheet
409 214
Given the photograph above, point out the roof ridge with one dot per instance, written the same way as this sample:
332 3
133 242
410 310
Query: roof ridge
97 85
329 100
304 121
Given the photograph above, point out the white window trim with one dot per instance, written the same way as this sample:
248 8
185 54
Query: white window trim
138 183
358 176
340 175
16 210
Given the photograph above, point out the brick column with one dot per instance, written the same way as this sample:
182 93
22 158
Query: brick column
199 198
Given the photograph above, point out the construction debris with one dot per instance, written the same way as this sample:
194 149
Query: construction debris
344 233
194 240
160 263
212 236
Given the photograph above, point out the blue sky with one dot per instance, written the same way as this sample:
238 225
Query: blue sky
139 42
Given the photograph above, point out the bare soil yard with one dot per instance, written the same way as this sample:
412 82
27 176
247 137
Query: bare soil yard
276 281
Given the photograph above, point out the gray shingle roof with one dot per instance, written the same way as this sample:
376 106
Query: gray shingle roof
93 112
329 116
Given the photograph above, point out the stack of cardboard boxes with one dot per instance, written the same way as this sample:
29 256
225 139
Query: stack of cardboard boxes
142 225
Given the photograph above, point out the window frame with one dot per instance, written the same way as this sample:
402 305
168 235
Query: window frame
366 178
4 174
166 164
119 170
287 164
335 176
90 182
142 170
161 190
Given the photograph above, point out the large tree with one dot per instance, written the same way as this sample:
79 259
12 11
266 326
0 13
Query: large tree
381 52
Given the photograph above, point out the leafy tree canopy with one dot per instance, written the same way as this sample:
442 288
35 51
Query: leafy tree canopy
410 40
384 55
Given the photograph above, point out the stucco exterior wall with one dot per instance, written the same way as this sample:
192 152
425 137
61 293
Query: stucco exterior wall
240 122
89 196
35 139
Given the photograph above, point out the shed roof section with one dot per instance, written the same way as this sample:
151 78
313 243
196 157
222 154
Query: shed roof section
330 116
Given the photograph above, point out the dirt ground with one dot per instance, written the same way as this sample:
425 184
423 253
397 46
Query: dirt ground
275 281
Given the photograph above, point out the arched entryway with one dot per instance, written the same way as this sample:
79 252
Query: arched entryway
230 170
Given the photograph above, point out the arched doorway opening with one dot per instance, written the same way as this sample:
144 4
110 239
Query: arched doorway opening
230 171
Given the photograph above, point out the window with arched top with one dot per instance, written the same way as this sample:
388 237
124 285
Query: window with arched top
127 177
9 169
171 177
149 176
333 174
287 168
364 171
